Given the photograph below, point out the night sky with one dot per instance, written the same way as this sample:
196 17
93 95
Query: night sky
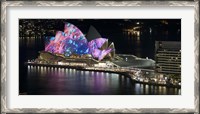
171 27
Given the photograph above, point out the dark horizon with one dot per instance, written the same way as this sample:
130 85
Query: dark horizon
170 27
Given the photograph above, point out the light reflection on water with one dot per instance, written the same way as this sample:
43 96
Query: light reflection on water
63 81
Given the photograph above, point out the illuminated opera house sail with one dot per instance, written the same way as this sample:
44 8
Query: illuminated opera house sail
72 41
72 47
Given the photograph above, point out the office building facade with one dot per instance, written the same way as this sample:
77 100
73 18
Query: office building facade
168 57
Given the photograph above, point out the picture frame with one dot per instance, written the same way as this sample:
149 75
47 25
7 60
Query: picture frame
4 69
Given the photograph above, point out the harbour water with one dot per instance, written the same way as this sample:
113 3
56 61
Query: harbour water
64 81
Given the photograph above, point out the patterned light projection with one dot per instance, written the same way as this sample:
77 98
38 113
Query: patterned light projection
68 42
96 48
104 53
72 41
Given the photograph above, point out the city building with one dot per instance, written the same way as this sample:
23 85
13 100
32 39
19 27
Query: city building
168 57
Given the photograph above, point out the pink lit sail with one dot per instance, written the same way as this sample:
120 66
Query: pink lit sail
92 45
96 53
96 43
104 53
68 42
100 42
72 41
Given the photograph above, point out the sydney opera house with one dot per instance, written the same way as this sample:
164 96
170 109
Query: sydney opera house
72 46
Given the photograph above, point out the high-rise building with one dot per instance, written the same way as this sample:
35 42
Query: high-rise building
168 57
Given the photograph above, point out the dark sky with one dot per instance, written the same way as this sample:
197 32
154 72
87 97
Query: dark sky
168 29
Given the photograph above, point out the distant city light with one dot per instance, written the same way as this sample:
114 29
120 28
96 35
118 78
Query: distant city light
150 30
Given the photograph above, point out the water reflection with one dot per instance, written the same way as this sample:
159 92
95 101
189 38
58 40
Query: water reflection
63 81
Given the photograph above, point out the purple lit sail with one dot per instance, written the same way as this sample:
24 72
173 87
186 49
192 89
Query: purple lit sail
92 45
96 53
72 41
96 43
68 42
100 42
104 53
